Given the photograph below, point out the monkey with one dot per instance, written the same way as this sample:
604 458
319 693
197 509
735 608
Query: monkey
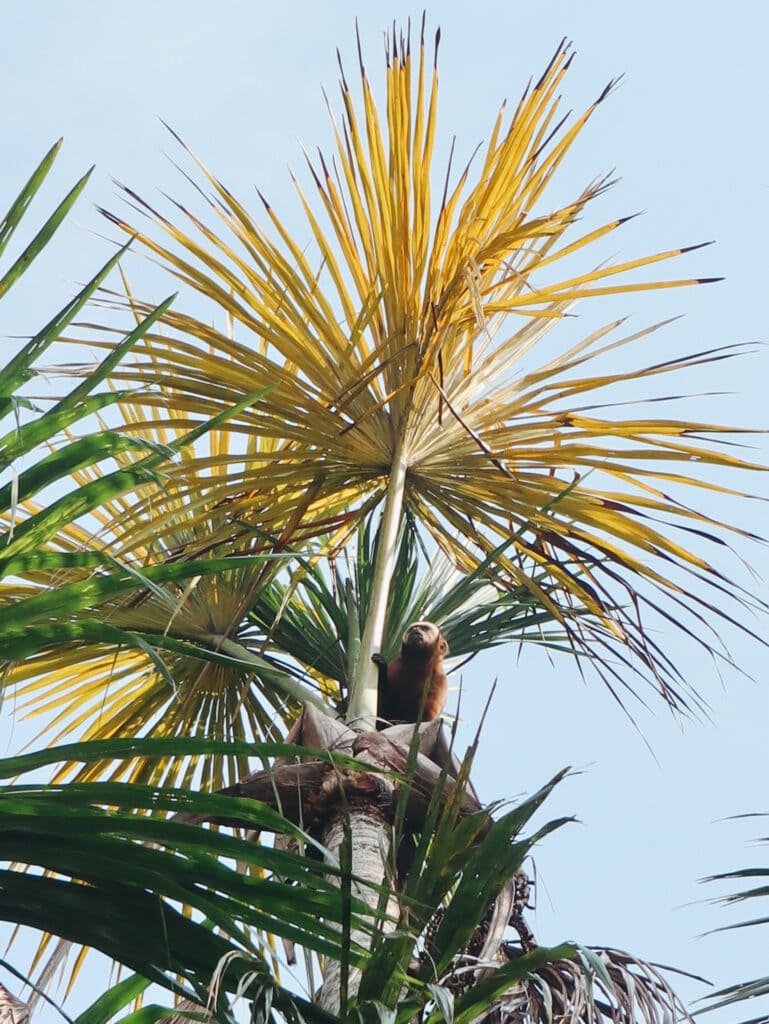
415 679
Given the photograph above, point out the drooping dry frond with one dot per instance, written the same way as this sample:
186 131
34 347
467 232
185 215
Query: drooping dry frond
603 986
410 339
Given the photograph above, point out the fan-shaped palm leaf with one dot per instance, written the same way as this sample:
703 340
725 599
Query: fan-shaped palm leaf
402 368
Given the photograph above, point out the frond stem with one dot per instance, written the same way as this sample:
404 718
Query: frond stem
363 695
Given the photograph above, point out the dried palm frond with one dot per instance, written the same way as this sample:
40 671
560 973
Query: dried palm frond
602 986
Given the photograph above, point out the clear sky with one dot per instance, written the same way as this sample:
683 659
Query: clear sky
685 130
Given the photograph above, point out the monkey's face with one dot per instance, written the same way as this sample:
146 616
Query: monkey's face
424 636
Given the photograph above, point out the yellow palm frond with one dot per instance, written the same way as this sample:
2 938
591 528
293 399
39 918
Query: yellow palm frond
194 668
405 337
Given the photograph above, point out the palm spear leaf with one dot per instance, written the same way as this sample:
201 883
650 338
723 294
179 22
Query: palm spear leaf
401 364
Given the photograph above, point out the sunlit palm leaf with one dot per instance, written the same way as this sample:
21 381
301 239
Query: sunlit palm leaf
392 356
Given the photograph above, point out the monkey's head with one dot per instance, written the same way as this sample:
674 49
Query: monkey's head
424 637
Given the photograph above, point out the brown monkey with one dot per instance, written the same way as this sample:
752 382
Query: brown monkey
413 676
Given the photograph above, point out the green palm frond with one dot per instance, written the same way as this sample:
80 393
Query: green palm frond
98 862
28 425
38 456
13 218
146 643
752 993
89 864
402 363
95 862
91 617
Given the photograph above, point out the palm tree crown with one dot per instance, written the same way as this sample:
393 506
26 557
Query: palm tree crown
392 365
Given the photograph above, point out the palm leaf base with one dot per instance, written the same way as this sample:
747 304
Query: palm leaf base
309 789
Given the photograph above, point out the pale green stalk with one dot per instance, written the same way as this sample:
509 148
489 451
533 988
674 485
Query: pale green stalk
363 692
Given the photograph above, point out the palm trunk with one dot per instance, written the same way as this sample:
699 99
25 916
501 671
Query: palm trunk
369 835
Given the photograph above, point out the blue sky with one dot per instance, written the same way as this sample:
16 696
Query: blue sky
240 82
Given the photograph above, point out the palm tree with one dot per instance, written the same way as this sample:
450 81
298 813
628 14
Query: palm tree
380 387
